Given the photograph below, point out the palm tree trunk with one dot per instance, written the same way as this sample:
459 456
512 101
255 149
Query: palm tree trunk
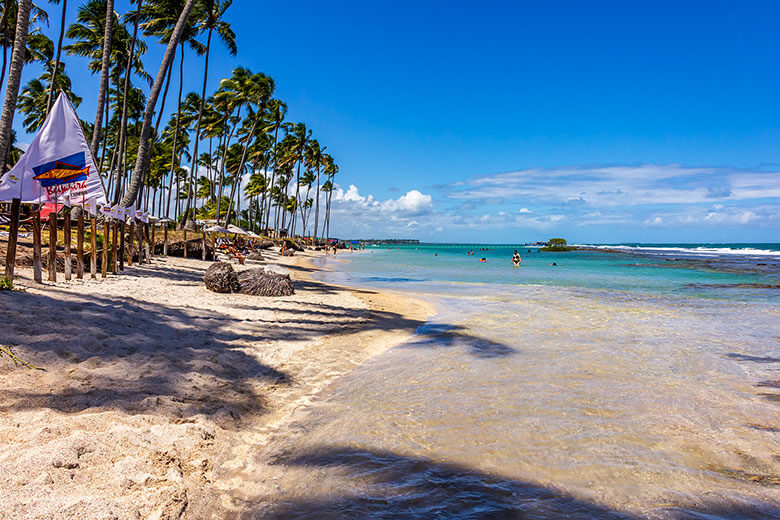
14 79
237 184
57 60
317 203
222 172
146 129
273 178
103 76
105 145
327 211
176 135
126 86
200 115
3 22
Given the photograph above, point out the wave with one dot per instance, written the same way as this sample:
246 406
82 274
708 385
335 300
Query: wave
698 251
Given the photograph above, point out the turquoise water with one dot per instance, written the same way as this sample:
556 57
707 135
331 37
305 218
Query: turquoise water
721 271
639 384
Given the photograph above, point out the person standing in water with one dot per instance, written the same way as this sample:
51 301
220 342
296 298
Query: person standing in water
516 258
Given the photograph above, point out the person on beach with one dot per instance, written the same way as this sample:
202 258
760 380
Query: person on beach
516 258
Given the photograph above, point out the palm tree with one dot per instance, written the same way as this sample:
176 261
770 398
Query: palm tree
314 156
256 90
300 138
57 60
33 100
255 188
146 129
14 79
330 170
209 14
277 111
8 27
105 64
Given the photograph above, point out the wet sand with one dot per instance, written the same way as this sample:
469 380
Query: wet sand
156 391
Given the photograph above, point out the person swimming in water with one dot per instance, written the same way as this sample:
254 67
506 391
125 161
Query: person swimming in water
483 259
516 258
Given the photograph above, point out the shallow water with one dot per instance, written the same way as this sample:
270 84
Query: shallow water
522 400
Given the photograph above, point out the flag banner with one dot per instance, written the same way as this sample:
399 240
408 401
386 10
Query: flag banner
90 206
107 211
57 164
131 212
145 217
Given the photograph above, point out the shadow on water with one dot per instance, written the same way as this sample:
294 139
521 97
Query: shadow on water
447 335
388 485
754 359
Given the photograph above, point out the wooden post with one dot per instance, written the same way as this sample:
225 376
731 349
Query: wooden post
52 247
185 242
80 246
146 243
122 246
104 260
114 260
93 244
153 242
165 240
203 245
66 237
37 275
132 240
10 257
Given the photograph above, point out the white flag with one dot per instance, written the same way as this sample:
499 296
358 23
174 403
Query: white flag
90 206
58 163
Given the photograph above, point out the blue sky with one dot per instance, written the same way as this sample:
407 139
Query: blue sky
515 121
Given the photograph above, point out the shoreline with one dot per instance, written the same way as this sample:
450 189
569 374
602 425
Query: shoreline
157 392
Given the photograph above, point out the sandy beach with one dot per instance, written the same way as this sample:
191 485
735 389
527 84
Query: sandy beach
155 390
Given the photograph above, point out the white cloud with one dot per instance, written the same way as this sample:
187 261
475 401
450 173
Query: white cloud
620 185
411 203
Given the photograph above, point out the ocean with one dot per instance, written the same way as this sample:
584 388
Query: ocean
622 381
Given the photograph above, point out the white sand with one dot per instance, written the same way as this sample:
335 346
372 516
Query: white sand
156 390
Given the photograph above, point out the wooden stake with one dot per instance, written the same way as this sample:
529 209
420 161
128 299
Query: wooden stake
80 246
104 260
10 257
185 242
93 244
66 237
165 240
153 242
114 260
122 246
146 243
132 240
203 246
37 275
52 247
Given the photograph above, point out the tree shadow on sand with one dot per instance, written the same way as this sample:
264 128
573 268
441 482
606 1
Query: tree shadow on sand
175 361
137 357
375 484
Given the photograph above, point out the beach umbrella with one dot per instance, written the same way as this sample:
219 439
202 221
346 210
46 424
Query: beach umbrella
216 229
235 229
